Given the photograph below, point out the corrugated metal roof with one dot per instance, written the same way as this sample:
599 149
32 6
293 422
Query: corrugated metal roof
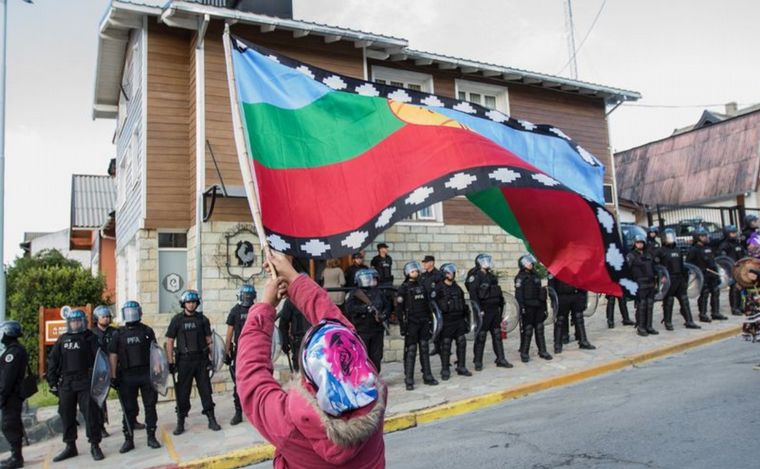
92 199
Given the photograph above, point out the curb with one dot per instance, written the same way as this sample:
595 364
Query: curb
264 451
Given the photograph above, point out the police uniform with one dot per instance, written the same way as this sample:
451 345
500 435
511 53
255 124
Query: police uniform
454 309
432 279
384 267
363 317
236 318
623 305
732 247
704 258
104 338
350 273
532 300
642 270
131 344
13 365
70 371
484 290
669 256
573 301
416 323
293 326
192 358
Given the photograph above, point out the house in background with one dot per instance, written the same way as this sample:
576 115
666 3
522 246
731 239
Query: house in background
180 204
36 242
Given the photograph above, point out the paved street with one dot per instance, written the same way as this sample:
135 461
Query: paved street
698 409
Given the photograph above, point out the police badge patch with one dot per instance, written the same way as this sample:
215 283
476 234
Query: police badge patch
9 358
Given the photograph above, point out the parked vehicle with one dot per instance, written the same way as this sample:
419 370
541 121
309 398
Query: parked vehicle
685 228
630 230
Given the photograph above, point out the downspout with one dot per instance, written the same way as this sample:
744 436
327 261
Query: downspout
615 201
200 146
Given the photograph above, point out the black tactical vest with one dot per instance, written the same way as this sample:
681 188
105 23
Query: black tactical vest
190 336
76 355
134 347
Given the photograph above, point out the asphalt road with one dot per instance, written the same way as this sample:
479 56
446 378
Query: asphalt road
698 409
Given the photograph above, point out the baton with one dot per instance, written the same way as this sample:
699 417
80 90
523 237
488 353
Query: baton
290 362
124 415
712 272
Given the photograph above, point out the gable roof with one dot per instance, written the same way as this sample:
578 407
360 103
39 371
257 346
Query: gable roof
92 199
716 161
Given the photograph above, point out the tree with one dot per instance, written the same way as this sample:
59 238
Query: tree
51 280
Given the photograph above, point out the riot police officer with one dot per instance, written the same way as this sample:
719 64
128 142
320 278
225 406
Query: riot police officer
623 305
104 332
750 226
669 255
642 270
13 364
357 264
532 300
732 247
571 300
485 291
415 321
235 322
293 326
701 255
652 242
130 372
450 298
383 264
191 358
430 276
69 375
367 309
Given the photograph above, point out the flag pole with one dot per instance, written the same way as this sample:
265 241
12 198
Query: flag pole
244 160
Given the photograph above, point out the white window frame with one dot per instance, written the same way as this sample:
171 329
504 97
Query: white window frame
500 92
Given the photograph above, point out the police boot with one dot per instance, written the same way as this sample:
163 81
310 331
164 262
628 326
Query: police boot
139 425
498 349
152 441
525 344
96 452
715 306
667 312
610 315
624 312
541 342
180 428
410 356
565 332
650 317
427 372
686 313
735 299
16 459
641 318
558 335
128 445
445 356
583 342
237 418
478 348
702 306
462 356
69 451
212 424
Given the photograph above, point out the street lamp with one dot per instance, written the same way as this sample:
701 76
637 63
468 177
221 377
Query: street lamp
2 155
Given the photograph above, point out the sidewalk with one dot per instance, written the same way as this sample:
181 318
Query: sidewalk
199 442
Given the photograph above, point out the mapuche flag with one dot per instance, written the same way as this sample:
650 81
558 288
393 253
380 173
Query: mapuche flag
334 161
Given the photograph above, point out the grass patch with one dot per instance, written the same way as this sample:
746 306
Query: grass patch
45 398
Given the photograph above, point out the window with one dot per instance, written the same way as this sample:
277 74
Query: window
608 194
172 240
490 96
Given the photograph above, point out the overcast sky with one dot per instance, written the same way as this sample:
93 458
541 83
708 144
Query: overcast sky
675 53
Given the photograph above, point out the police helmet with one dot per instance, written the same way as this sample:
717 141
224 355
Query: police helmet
728 229
639 238
449 268
102 311
246 295
669 236
484 261
525 260
748 219
76 316
131 311
653 229
410 266
10 329
366 278
698 233
189 296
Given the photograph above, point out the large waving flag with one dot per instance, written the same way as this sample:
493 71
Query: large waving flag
332 161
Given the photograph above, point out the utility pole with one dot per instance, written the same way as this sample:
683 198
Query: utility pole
570 29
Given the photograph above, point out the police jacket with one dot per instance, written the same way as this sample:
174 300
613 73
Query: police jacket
485 290
350 273
13 364
384 266
703 257
564 289
450 299
528 291
236 318
190 332
652 245
732 248
71 358
669 256
293 324
642 267
413 302
431 279
132 344
104 337
362 315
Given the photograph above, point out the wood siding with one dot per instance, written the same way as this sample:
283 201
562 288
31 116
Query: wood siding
460 211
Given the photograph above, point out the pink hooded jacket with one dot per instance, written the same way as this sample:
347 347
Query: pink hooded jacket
304 436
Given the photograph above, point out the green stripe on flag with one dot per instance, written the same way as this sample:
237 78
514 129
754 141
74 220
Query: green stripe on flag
335 128
492 203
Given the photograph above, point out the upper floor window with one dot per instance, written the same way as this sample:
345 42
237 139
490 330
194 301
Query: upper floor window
490 96
403 78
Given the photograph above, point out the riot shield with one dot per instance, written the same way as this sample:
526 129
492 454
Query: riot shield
695 280
101 378
593 303
553 310
159 369
663 282
476 323
510 317
217 352
726 270
437 322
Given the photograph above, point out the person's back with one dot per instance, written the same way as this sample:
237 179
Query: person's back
332 277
